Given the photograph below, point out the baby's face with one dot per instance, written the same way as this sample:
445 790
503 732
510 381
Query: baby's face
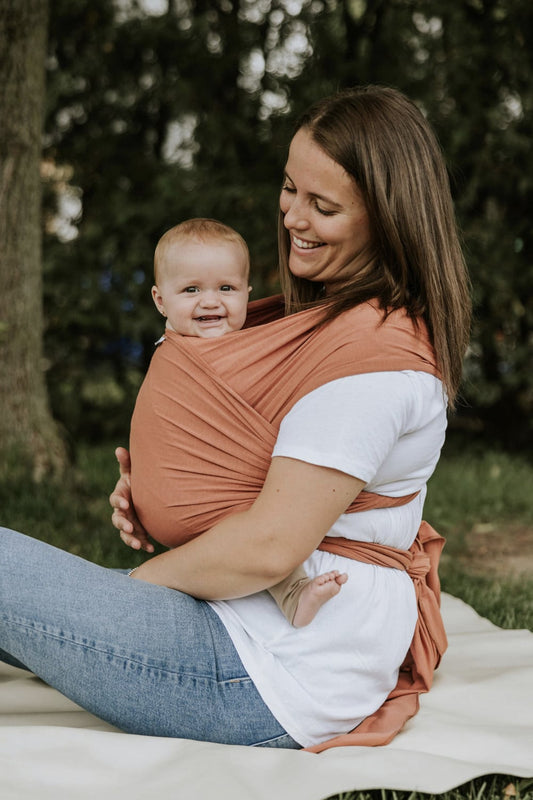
204 288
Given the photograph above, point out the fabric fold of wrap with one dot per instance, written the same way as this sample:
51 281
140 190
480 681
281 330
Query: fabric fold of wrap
209 410
205 424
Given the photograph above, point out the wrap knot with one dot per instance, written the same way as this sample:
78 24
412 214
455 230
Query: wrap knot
419 566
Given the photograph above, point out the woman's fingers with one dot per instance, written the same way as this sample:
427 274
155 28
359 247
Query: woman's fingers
135 538
121 522
130 540
118 499
124 461
131 531
124 518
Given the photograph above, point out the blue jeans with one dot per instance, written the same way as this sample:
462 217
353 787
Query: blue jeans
147 659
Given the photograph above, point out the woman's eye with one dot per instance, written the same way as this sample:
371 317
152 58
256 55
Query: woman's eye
287 188
324 211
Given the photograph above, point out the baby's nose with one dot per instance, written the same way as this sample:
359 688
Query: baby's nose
209 299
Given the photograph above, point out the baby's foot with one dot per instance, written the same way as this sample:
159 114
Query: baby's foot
315 594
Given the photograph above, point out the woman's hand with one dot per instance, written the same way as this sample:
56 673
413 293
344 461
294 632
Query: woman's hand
124 517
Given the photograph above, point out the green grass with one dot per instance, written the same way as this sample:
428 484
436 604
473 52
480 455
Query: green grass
496 787
471 487
472 490
74 515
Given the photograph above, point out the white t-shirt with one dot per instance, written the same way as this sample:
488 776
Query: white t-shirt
322 680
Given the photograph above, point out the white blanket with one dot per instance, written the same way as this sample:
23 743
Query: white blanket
477 720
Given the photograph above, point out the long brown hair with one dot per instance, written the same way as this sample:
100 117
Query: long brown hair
385 144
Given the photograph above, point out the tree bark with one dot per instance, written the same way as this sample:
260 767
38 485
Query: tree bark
26 424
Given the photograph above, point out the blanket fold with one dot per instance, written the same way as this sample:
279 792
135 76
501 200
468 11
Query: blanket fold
206 421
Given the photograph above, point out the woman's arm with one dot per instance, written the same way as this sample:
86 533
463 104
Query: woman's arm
255 549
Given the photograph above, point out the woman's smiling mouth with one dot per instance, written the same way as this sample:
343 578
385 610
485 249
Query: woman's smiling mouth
304 244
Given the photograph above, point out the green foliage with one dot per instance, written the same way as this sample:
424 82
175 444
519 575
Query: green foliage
155 118
481 104
116 89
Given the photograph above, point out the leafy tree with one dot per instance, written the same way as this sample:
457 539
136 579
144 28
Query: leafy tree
154 118
26 425
482 105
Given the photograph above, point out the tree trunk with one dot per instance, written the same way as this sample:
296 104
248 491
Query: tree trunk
26 424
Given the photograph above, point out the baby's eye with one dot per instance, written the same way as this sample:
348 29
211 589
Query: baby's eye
191 289
226 288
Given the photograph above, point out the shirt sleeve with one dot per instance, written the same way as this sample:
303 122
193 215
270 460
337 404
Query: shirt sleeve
355 424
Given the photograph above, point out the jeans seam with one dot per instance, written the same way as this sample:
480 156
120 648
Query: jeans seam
32 627
273 739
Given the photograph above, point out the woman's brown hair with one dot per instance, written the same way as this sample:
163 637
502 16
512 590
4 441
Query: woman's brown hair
386 146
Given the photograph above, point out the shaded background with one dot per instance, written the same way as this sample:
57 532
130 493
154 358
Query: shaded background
166 109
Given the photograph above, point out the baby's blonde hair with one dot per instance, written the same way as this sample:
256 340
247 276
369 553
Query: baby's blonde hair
202 229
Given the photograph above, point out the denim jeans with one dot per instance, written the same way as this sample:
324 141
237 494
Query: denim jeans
147 659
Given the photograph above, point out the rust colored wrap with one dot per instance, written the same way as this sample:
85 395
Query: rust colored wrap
205 424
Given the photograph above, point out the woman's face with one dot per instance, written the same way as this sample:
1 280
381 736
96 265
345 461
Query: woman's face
324 214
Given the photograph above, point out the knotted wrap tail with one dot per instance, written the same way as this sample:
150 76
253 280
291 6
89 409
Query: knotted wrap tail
429 641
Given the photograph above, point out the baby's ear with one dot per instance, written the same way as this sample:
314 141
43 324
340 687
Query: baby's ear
250 289
158 300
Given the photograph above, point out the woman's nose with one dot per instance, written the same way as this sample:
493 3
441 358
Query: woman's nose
295 216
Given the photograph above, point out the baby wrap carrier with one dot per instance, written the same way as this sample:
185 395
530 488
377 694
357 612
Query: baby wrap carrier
205 424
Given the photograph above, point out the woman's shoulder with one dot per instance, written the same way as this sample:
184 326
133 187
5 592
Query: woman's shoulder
379 391
370 315
381 340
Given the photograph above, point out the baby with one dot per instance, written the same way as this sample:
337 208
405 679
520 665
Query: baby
201 286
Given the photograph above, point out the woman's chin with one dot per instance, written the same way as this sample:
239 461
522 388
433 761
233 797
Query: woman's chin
302 271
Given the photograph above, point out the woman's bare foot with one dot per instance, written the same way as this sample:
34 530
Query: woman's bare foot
315 594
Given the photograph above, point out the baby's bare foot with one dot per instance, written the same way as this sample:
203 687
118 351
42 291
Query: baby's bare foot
315 594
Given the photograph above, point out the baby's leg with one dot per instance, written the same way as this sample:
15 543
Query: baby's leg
315 593
299 597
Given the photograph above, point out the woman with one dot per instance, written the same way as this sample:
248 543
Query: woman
366 228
